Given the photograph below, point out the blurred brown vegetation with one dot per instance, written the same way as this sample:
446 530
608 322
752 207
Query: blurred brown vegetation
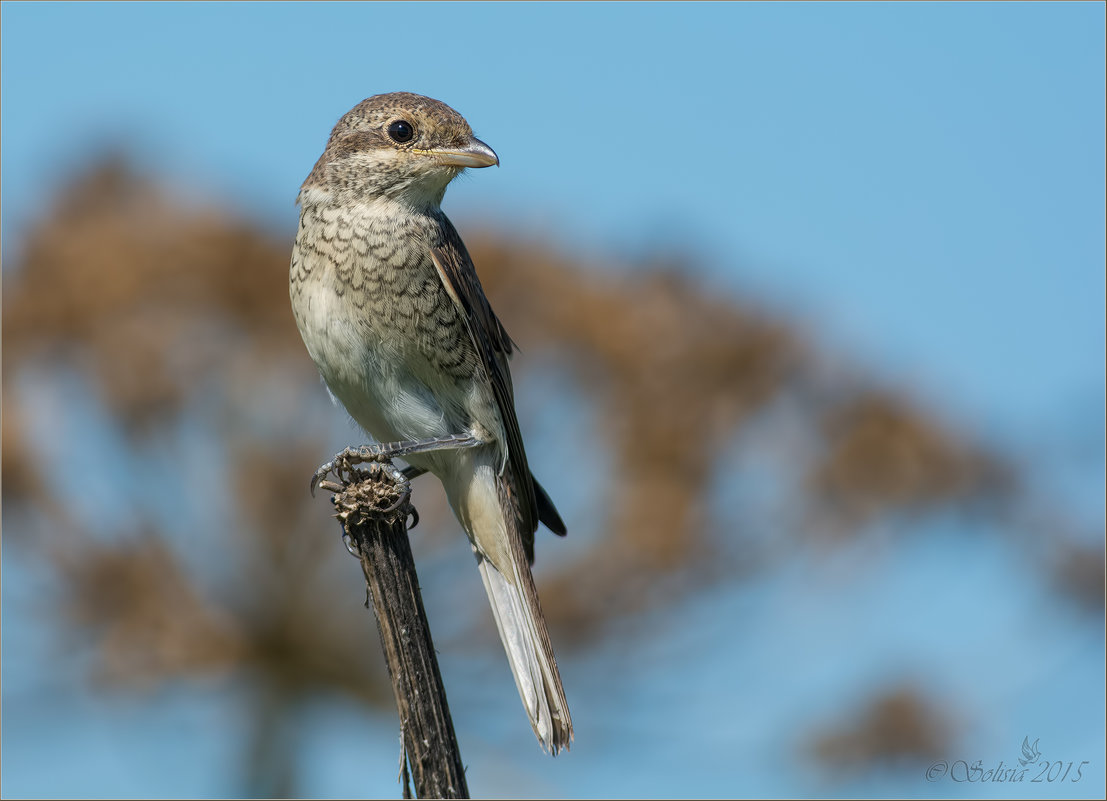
898 724
169 312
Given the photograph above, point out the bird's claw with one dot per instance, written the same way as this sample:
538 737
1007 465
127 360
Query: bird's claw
343 466
405 495
320 474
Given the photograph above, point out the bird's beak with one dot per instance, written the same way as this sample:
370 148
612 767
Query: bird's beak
475 154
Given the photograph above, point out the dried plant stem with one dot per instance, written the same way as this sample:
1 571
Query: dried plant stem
373 506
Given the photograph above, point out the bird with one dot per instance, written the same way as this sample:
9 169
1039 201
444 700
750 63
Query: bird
392 312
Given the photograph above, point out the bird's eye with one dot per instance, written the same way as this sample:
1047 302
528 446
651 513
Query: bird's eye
401 131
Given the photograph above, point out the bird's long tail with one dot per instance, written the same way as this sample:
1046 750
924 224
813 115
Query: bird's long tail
514 601
484 505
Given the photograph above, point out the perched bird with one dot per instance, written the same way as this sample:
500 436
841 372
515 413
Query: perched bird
392 312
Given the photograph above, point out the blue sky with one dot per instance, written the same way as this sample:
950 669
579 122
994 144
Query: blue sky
921 185
923 180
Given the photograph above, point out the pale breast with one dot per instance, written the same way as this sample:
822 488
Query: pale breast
372 311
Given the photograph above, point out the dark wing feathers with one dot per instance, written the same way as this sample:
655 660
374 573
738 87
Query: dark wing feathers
547 512
494 347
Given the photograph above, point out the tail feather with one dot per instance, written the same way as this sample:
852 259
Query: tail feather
485 505
522 629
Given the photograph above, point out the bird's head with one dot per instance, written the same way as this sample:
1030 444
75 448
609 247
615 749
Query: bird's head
400 146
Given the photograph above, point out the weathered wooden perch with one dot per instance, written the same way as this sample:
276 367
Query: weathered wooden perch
373 504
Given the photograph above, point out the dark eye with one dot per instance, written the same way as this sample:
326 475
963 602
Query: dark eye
401 131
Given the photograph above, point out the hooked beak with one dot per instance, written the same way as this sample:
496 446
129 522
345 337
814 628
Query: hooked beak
475 154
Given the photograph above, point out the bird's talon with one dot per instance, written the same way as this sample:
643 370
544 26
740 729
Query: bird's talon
348 541
405 494
320 474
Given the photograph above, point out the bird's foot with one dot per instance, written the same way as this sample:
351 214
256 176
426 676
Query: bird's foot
343 465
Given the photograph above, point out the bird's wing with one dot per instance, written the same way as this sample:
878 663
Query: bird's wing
493 346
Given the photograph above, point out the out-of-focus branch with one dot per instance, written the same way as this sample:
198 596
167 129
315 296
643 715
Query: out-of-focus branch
373 507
